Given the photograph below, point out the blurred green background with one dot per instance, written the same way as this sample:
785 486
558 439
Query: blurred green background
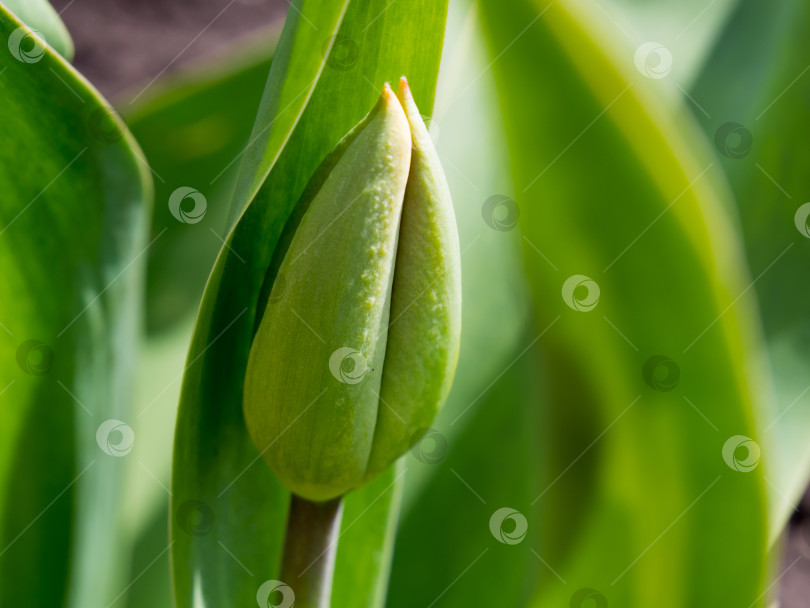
653 149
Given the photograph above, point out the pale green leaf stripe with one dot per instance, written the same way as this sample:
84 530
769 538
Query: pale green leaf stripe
614 184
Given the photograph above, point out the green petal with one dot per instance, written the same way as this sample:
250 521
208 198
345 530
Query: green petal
425 327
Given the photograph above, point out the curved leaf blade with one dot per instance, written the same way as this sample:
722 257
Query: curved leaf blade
39 15
309 34
71 241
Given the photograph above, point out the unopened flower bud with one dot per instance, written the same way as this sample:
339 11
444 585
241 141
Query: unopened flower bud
357 347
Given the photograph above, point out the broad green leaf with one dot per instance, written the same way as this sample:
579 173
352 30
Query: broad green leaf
39 16
367 535
753 106
72 243
649 336
215 463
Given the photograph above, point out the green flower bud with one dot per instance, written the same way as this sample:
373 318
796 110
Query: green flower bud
357 347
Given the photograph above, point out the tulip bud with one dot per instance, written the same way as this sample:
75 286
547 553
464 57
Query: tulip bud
333 394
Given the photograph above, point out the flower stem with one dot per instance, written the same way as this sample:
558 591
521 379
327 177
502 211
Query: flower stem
310 544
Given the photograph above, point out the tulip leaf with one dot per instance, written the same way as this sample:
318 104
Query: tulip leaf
297 68
73 227
650 327
39 16
366 542
756 118
228 510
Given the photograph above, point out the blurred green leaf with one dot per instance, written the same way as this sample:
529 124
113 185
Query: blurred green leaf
216 468
752 97
686 29
444 541
190 128
71 243
191 131
149 572
40 16
649 339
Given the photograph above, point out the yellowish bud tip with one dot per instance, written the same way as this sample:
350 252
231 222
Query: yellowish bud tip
404 91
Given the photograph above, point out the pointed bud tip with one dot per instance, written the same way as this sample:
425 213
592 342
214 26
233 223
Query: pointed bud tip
404 91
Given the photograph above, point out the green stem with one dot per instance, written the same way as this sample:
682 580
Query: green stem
310 544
